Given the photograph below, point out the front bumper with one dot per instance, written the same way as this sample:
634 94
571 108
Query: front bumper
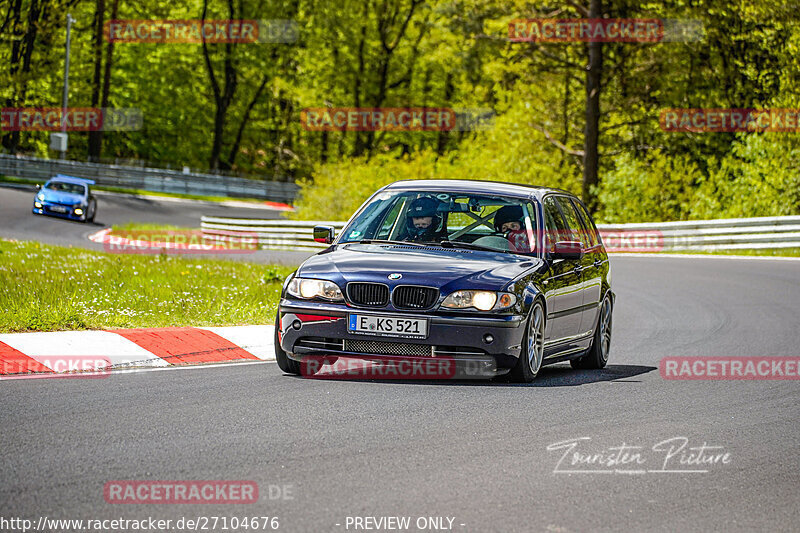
49 209
315 329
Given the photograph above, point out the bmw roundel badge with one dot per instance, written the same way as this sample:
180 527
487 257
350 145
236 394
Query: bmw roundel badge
395 276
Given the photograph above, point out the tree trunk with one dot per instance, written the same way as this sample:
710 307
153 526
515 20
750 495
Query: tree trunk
223 96
591 154
96 137
243 123
21 54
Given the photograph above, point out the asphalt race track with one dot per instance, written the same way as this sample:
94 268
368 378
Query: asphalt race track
475 452
17 221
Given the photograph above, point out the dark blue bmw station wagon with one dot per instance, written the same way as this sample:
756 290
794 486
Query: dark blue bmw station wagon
500 279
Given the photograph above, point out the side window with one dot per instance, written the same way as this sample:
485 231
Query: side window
588 223
389 220
556 228
576 228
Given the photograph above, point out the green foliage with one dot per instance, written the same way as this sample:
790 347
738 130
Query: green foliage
655 188
338 189
69 288
512 152
760 177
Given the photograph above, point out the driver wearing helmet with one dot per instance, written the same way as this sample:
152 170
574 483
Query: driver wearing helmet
423 220
508 220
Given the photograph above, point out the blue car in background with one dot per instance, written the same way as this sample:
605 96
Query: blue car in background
66 197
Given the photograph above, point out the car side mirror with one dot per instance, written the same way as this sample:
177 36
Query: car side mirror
567 250
323 234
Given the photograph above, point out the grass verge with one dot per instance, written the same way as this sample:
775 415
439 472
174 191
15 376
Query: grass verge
144 226
48 288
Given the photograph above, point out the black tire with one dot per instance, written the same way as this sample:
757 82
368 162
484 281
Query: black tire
289 366
92 212
530 363
597 355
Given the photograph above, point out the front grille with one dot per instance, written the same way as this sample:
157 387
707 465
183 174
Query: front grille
414 297
368 294
457 351
387 348
320 343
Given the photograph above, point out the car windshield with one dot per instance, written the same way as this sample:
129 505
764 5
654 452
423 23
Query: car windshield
61 186
446 219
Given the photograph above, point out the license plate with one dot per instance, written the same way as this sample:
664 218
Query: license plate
58 209
389 326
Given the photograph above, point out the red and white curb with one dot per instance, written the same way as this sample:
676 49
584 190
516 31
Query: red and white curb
60 351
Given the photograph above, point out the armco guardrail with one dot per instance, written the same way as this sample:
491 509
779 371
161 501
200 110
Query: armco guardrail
149 179
698 235
271 234
704 235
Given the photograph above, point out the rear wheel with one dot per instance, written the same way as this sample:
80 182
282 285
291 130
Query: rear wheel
284 363
532 353
597 356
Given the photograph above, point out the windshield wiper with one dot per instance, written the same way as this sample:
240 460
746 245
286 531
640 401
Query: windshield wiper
470 246
383 241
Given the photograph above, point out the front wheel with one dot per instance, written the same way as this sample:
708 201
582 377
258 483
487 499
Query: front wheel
90 212
532 353
597 356
284 363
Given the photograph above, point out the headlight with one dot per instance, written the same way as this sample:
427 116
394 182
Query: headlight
37 205
314 288
78 211
40 197
481 300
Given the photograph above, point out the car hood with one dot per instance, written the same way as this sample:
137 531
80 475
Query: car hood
445 268
62 197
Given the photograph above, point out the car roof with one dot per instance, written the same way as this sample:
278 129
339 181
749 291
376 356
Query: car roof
61 178
518 190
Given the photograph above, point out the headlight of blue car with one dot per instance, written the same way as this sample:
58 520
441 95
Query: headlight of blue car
480 300
308 289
